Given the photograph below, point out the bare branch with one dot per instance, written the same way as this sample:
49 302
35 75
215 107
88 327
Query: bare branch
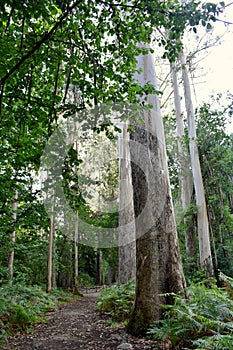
225 22
231 3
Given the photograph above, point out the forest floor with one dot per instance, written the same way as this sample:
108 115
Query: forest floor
78 325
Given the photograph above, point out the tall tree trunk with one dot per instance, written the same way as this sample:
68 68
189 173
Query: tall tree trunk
185 175
50 255
98 267
12 239
54 280
127 239
76 279
159 268
102 271
202 218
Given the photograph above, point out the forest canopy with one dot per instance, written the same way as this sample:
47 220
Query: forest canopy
78 58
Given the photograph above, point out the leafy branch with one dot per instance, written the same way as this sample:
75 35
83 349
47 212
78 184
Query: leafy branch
44 38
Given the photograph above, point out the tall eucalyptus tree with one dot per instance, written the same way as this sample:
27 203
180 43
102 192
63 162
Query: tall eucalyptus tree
184 173
158 261
127 242
202 217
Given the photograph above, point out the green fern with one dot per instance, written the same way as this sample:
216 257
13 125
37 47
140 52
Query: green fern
117 301
204 320
215 342
20 306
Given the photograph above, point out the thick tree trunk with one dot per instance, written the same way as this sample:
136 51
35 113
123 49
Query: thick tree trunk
159 268
185 174
12 239
202 218
127 242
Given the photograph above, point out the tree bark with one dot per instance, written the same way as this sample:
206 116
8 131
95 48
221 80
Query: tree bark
202 218
185 174
12 239
76 279
54 279
127 239
50 256
159 268
98 267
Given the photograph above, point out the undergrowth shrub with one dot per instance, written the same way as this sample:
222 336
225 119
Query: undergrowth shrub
86 280
21 306
203 322
117 301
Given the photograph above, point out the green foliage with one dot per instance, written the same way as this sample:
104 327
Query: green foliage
204 320
30 256
21 306
197 275
215 342
216 157
57 61
86 280
176 16
60 58
20 317
117 301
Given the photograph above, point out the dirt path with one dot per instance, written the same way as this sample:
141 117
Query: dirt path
77 326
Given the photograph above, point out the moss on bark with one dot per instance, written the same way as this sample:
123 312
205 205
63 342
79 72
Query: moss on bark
139 322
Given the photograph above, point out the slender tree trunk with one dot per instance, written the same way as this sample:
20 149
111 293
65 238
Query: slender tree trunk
102 271
202 218
76 279
185 174
76 256
186 182
98 267
12 239
159 268
127 239
54 281
190 242
50 255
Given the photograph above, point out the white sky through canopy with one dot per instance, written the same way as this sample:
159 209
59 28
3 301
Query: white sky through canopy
219 63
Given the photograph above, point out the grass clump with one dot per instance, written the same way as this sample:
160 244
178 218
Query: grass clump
117 301
21 306
203 322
